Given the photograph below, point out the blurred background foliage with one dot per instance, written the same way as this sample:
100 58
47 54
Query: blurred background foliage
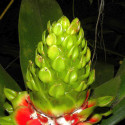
110 44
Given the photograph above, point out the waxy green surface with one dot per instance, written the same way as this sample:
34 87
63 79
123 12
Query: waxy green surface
61 74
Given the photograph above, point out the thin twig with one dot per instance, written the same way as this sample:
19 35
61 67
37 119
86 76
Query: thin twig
102 40
101 8
5 10
11 62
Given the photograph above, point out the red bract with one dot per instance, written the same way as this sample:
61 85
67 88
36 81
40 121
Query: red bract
22 115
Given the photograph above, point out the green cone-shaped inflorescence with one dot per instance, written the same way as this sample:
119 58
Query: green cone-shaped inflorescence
58 82
61 74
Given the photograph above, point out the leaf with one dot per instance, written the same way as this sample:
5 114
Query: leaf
109 88
121 91
33 18
118 114
103 73
8 82
116 88
121 69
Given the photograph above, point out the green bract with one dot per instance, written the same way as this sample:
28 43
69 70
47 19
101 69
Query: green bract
61 74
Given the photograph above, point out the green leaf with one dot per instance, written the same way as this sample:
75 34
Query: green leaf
121 69
103 73
109 88
115 87
6 82
33 18
121 91
118 114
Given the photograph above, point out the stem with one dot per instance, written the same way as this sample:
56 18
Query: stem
101 8
5 10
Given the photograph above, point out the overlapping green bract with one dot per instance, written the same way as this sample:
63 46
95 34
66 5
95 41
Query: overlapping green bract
61 74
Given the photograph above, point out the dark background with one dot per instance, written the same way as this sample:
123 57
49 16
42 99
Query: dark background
110 45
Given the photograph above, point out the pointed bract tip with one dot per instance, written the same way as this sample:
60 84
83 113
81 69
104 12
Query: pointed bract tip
10 94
